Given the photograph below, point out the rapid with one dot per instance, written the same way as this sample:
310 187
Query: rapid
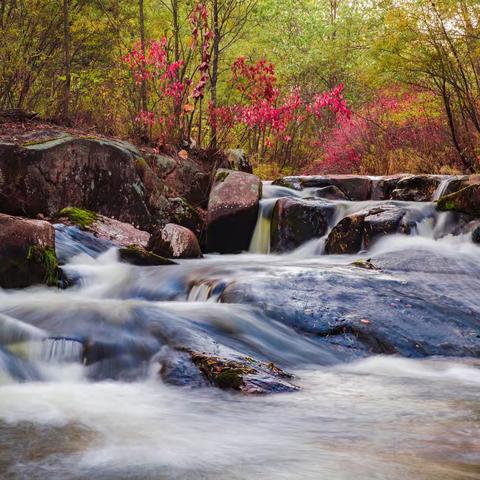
95 381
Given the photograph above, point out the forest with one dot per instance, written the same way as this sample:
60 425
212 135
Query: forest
302 86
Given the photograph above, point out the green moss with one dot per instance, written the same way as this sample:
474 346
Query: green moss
366 264
141 163
221 176
230 378
82 218
47 257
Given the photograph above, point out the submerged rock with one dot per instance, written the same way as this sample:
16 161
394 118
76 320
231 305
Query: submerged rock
232 211
360 230
174 241
137 255
27 253
296 221
245 374
466 201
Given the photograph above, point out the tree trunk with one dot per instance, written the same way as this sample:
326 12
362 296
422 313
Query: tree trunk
214 75
67 60
143 85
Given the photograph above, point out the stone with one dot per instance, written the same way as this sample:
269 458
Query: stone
245 374
466 201
359 230
174 241
27 253
232 211
296 221
104 228
44 176
416 188
137 255
330 193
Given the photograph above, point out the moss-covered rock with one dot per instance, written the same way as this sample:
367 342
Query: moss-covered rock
79 216
137 255
27 253
243 374
466 201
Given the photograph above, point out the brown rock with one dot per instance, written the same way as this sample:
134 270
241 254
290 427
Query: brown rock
174 241
27 252
295 221
232 211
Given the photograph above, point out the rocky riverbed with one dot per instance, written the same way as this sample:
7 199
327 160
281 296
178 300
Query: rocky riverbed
307 326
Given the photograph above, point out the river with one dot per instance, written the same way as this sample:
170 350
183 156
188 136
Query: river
396 397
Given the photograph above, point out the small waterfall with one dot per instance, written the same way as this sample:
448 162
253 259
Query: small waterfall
442 188
260 242
62 350
206 291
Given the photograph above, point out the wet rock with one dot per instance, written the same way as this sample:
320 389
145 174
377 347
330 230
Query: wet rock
330 193
346 236
476 235
71 241
177 368
137 255
383 187
27 253
174 241
416 188
352 312
296 221
466 201
43 176
238 160
459 182
245 374
360 230
232 211
104 228
354 187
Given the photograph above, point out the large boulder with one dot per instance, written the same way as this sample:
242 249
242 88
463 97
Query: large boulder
296 221
44 175
466 201
232 211
174 241
359 230
416 188
27 253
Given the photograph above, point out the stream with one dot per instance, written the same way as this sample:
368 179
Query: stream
386 361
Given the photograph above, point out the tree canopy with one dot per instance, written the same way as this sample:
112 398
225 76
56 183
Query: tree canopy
369 86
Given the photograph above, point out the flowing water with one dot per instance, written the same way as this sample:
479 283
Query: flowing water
81 395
